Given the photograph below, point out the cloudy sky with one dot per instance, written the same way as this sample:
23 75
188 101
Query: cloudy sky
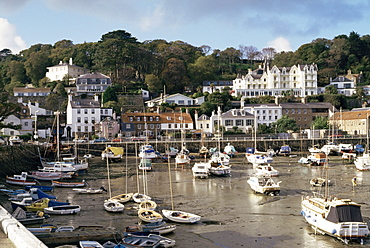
282 24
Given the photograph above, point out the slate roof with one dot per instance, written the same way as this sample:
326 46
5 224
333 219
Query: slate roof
85 103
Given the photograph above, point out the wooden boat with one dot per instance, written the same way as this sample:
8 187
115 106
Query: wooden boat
264 185
148 204
143 239
20 180
160 227
137 197
318 182
147 215
200 170
122 198
180 216
69 184
90 244
67 209
113 206
28 218
90 191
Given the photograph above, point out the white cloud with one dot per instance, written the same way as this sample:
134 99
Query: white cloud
280 44
9 38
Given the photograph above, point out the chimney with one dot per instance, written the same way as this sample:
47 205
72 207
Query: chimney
277 100
60 62
70 61
242 102
249 71
20 99
304 100
70 97
96 97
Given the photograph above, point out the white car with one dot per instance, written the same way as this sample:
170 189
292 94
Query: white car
79 140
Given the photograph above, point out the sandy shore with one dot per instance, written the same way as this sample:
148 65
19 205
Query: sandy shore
232 215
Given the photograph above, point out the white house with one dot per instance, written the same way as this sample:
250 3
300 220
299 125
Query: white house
30 91
301 80
216 85
92 83
13 120
178 99
58 72
82 114
344 85
265 113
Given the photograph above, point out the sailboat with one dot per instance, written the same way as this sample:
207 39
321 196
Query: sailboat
340 218
112 205
175 215
362 163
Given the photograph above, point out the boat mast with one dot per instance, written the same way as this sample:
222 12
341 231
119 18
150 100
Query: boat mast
109 188
58 145
170 179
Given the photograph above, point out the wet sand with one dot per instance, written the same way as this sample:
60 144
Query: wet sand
232 215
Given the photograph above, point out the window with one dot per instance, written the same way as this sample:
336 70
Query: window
138 126
78 111
299 111
86 120
239 122
169 125
157 118
287 111
293 111
85 111
186 125
229 122
151 126
86 129
92 120
158 126
138 118
78 119
106 111
181 102
151 118
130 118
93 111
128 126
26 124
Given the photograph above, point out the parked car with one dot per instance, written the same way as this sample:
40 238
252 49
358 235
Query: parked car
119 139
101 139
81 140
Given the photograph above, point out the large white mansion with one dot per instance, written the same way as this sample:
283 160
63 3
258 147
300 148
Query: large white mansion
301 80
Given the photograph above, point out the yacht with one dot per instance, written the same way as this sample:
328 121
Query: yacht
147 151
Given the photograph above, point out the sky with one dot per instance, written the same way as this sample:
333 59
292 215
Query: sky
282 24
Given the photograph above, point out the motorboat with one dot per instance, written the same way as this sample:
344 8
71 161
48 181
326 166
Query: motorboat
60 167
230 150
285 150
138 198
40 204
172 152
148 204
266 171
61 210
145 164
69 184
112 152
34 193
180 216
345 147
80 165
148 215
162 241
20 180
200 170
257 159
44 188
317 159
330 148
147 151
264 185
113 206
147 241
160 227
314 149
340 218
362 163
90 190
50 174
15 140
219 169
28 218
182 158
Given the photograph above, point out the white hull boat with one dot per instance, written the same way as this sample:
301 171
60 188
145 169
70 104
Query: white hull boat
200 170
363 163
219 169
148 215
220 158
264 185
122 198
266 171
340 218
138 198
180 216
145 164
90 244
148 152
112 153
230 150
90 190
20 180
256 159
113 206
65 209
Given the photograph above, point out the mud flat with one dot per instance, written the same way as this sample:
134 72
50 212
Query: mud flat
232 215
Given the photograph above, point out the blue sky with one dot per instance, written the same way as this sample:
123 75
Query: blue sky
282 24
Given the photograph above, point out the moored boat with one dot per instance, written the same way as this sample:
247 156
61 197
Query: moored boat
122 198
69 184
20 180
219 169
180 216
264 185
112 153
148 215
148 204
90 190
138 197
90 244
200 170
113 206
266 171
61 210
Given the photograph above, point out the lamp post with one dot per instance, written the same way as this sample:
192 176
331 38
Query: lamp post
35 137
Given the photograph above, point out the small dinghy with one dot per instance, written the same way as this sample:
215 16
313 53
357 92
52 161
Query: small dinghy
67 209
113 206
147 215
122 198
160 227
138 198
148 204
90 191
181 216
90 244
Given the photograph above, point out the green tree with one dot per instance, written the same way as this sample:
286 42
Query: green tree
174 76
154 83
207 108
331 90
114 105
110 95
284 124
36 66
320 122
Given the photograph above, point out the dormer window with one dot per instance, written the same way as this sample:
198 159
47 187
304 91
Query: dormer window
168 118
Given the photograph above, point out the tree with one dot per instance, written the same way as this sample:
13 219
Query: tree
154 83
320 122
207 108
331 90
284 124
6 108
36 66
174 76
110 95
